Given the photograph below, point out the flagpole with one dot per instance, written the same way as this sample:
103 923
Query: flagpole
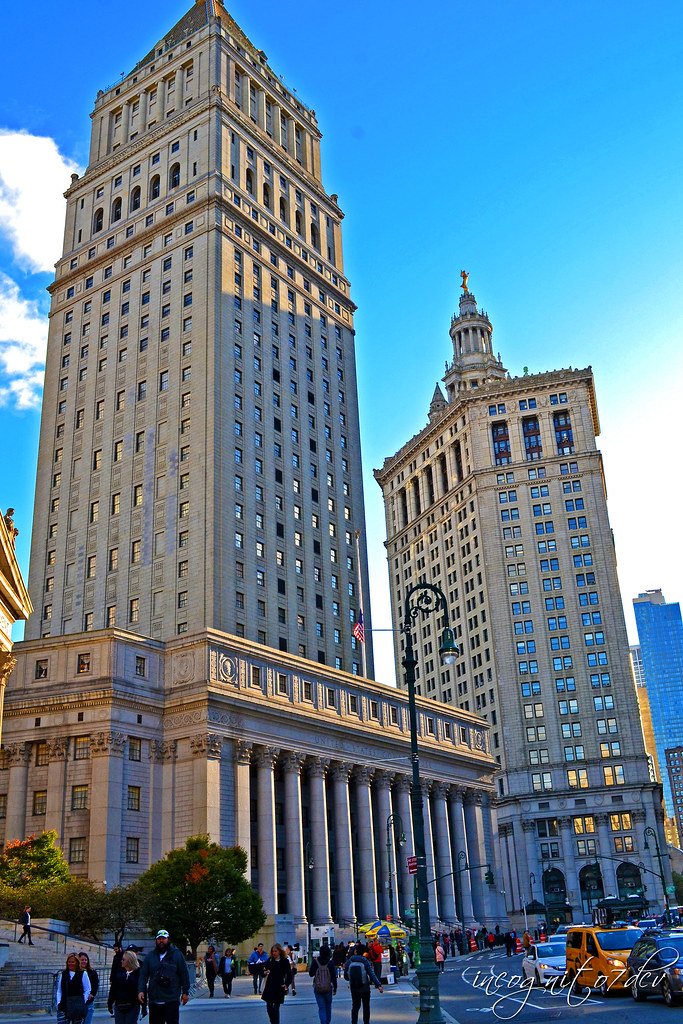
360 597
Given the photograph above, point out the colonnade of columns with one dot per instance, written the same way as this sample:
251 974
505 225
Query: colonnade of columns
324 839
431 484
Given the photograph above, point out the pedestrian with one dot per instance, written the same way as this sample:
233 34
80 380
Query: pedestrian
26 925
324 975
164 981
360 975
278 971
439 956
226 970
526 940
490 941
73 989
291 956
122 1001
339 958
94 979
211 968
257 965
509 944
375 950
446 942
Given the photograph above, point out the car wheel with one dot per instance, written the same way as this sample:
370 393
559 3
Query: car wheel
669 998
636 991
575 986
604 990
537 979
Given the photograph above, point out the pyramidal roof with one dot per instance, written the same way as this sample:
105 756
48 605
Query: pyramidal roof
196 18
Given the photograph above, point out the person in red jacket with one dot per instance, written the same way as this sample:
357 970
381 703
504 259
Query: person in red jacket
375 957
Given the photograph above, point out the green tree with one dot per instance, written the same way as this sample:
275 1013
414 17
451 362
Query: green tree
82 905
124 906
35 859
678 883
200 892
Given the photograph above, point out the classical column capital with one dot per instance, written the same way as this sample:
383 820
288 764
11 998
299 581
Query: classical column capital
426 787
473 797
403 783
440 790
341 771
317 767
364 774
639 816
107 743
58 749
241 752
383 778
565 822
18 754
292 762
162 750
601 819
209 745
457 793
507 830
265 757
528 826
7 663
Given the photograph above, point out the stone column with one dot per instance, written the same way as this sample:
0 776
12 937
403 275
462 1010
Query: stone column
58 755
106 803
571 879
125 123
444 862
162 803
383 791
457 816
241 755
265 758
320 874
407 895
529 830
291 137
180 88
607 867
294 850
142 113
19 757
206 785
476 851
346 907
429 851
366 850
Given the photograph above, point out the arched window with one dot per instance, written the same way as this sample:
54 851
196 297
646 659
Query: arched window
116 209
135 198
250 182
98 220
298 222
154 187
283 210
174 176
315 236
266 196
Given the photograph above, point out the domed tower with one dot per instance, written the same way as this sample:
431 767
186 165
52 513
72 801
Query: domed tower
474 363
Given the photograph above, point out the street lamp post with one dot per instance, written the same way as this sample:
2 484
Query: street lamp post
309 864
428 599
649 831
398 820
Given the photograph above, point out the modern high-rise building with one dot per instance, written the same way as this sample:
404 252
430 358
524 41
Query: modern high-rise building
199 461
500 501
660 632
192 667
674 770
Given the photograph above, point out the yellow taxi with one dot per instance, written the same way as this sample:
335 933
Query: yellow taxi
597 955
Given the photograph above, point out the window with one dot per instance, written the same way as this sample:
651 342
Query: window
83 664
77 850
41 669
134 798
134 749
42 757
132 850
79 798
39 802
577 778
140 666
613 775
81 748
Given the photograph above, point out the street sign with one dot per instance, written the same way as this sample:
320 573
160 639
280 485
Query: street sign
671 890
412 865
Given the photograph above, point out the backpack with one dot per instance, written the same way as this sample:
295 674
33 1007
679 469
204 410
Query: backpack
358 978
322 980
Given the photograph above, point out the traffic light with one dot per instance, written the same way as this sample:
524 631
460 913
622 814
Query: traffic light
488 877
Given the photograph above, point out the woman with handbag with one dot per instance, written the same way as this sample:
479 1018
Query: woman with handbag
122 1000
73 989
278 978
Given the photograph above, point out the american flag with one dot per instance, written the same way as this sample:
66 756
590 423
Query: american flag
359 628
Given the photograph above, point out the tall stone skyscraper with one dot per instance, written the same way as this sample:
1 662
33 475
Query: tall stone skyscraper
200 460
500 501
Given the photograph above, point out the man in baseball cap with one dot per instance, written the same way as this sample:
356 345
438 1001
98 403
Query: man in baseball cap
164 981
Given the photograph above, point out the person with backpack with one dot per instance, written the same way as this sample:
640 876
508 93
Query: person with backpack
360 975
324 975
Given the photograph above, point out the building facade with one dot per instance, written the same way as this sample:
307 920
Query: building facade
126 747
660 632
15 603
500 500
199 462
674 766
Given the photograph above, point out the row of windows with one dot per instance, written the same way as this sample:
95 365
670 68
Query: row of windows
577 778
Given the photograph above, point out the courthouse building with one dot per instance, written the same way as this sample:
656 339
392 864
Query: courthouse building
500 500
195 568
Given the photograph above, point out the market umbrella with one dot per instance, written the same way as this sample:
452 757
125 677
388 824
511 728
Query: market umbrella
383 930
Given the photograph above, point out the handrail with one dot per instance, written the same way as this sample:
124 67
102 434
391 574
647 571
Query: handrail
60 938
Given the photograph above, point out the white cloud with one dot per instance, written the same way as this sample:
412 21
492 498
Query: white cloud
33 177
23 340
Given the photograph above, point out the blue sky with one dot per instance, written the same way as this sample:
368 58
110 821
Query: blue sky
537 145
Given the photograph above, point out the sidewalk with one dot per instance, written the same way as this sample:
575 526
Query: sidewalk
398 1004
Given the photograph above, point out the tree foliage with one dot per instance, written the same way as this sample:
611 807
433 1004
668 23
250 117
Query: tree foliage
33 860
200 892
678 883
124 906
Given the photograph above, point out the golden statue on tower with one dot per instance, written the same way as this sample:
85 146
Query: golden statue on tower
465 278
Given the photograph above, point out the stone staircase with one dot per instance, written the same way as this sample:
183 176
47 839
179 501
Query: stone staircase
28 977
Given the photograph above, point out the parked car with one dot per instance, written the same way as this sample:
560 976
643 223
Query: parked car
544 961
597 954
653 967
558 937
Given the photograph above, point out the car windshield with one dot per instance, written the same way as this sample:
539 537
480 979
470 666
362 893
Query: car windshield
621 939
670 943
546 949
